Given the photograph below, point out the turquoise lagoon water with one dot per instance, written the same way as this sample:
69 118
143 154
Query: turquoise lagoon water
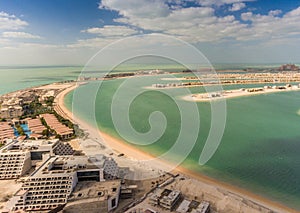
259 150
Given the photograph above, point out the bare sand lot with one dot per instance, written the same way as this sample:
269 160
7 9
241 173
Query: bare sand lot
7 189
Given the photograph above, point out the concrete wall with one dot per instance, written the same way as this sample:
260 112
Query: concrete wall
84 207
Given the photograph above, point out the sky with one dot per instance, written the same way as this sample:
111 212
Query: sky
68 32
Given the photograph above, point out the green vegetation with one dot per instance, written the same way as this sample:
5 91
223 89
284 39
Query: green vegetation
20 129
79 132
62 120
46 132
36 108
49 132
49 101
44 122
118 75
58 137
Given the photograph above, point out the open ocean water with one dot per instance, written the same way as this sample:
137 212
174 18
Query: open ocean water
16 78
259 150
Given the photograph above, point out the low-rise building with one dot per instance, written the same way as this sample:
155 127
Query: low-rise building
35 126
165 198
193 207
184 206
94 197
204 207
289 67
28 96
11 112
6 132
60 129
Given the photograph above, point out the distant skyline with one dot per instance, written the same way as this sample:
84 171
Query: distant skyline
57 32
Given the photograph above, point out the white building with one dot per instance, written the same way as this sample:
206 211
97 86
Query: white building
165 198
11 112
51 185
94 197
16 157
14 163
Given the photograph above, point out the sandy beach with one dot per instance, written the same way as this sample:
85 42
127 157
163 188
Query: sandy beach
135 159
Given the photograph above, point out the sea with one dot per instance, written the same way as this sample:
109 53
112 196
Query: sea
259 150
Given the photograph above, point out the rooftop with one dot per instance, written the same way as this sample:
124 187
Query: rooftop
95 190
62 165
17 145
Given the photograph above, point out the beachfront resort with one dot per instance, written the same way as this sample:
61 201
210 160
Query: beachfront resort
30 114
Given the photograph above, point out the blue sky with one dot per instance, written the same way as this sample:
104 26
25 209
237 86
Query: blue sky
225 31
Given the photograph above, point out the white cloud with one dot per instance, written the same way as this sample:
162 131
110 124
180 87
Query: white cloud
92 43
137 8
201 24
19 35
246 16
3 14
198 24
11 22
275 12
237 6
112 31
271 26
221 2
177 19
193 24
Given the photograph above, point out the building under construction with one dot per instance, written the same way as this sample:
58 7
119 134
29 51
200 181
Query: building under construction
17 157
51 185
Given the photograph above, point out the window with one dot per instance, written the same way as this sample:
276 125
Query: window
113 203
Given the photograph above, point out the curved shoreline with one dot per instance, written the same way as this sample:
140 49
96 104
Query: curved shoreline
132 153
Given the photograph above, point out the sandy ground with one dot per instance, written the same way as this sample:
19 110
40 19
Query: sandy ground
75 144
101 143
222 201
7 189
55 86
